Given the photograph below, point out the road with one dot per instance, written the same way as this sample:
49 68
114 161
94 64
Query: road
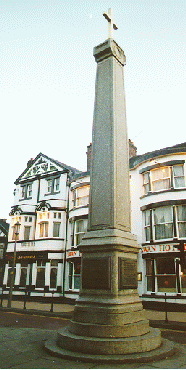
19 320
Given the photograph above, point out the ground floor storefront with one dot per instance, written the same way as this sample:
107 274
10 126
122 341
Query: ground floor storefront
162 273
39 273
72 276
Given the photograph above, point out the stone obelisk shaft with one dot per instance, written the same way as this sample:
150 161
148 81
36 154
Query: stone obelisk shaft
110 198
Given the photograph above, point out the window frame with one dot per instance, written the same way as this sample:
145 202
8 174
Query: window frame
148 184
44 233
175 221
77 233
178 176
76 200
26 191
26 227
162 223
40 265
58 225
53 185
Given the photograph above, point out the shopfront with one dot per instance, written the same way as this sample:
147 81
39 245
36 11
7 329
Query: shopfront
73 273
163 271
37 272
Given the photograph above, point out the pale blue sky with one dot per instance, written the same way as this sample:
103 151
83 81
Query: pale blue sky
48 78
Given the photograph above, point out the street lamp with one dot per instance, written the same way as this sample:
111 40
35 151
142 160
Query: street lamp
12 273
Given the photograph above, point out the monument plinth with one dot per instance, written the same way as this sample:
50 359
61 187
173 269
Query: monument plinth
109 322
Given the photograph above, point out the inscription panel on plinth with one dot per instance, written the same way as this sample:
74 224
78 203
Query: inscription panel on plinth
96 273
127 273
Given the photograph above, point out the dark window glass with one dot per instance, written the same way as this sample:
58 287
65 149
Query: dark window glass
23 277
70 274
26 232
166 283
40 282
165 265
53 278
56 229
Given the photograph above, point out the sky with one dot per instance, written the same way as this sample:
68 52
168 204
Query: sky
48 71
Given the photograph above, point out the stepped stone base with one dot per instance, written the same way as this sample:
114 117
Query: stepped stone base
164 350
109 346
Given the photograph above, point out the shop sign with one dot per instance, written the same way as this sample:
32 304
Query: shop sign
72 254
161 248
32 256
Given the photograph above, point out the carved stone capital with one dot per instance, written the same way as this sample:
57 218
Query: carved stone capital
107 49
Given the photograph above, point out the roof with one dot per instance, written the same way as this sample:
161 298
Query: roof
136 160
4 226
71 170
80 175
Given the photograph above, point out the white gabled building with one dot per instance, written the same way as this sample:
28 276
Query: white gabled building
40 205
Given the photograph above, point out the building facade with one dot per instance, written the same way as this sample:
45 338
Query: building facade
41 207
52 203
77 226
158 204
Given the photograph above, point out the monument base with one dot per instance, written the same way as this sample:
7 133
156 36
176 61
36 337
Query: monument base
108 318
166 349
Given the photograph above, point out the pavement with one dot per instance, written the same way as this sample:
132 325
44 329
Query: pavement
24 347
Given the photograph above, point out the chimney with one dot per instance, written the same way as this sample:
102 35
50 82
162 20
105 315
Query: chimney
88 153
132 152
132 149
29 162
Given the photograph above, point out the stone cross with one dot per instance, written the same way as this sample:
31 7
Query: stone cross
111 24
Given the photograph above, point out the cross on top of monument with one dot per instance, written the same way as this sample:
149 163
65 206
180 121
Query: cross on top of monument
111 24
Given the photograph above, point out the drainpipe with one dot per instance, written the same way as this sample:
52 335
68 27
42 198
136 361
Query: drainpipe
66 237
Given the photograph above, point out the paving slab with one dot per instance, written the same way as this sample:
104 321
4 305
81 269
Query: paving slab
23 348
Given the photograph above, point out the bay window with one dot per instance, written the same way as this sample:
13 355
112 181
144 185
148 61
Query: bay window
178 176
80 229
183 281
43 232
160 178
77 231
161 275
166 274
164 223
149 273
27 232
181 220
80 196
146 182
74 275
163 178
147 225
56 229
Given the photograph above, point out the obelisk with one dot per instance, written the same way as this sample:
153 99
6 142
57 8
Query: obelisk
109 321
